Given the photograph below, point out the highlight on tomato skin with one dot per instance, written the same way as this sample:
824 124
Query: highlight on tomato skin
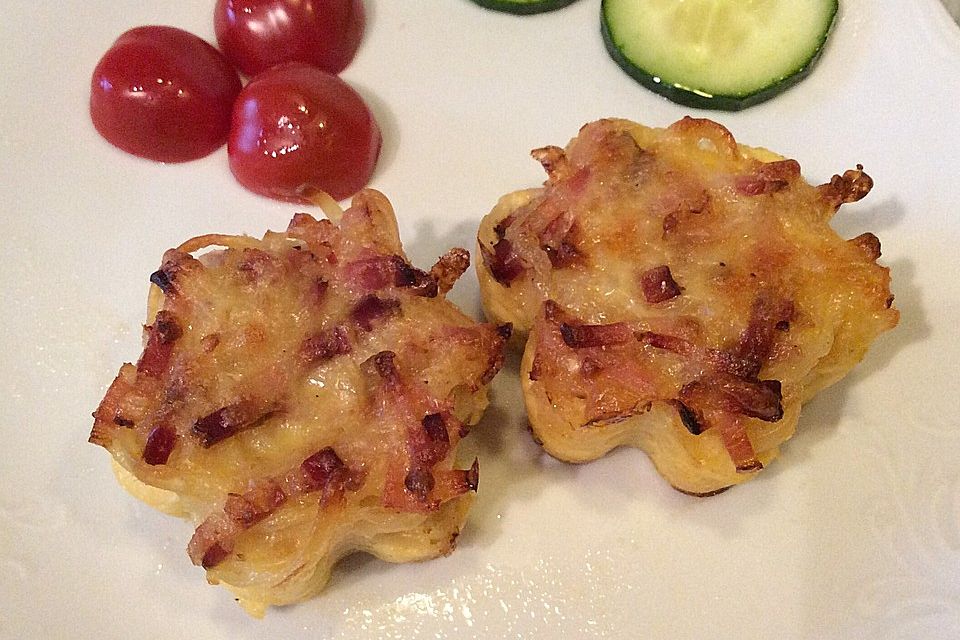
258 34
296 130
164 94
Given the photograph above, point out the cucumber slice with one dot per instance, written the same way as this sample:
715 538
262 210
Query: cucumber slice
717 54
523 7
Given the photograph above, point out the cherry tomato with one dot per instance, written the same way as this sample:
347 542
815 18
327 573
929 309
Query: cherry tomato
258 34
164 94
297 129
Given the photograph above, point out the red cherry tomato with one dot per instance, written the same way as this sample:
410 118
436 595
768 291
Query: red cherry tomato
297 129
164 94
258 34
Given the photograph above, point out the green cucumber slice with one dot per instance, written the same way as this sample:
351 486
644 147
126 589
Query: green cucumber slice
523 7
717 54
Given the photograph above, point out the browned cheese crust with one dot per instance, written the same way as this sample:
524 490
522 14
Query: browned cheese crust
301 397
682 294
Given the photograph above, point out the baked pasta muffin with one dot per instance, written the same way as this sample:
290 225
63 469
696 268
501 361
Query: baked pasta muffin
682 294
301 397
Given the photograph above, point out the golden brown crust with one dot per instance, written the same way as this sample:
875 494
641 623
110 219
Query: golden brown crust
683 294
301 397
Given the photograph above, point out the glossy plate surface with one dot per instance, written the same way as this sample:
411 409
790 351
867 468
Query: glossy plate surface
853 533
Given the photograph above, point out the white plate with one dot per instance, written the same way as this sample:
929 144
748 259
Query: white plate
853 533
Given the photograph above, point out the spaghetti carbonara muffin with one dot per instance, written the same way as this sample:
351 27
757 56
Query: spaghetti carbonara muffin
682 294
301 397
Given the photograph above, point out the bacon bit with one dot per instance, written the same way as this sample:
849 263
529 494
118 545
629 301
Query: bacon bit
373 272
213 428
316 233
558 236
722 392
385 366
584 336
230 420
419 282
501 227
214 555
553 159
326 345
424 491
717 359
427 449
727 361
738 445
382 365
322 466
758 399
455 482
687 201
751 186
213 540
160 338
495 353
120 421
689 418
658 284
590 367
553 312
670 222
163 279
119 392
712 408
256 504
210 342
601 151
602 417
320 288
869 244
504 264
435 427
257 266
854 185
770 177
784 170
326 472
376 272
449 268
159 445
536 369
166 328
419 482
371 308
472 476
668 343
174 263
563 256
757 338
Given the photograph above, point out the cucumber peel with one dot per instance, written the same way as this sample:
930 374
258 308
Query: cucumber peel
523 7
717 54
